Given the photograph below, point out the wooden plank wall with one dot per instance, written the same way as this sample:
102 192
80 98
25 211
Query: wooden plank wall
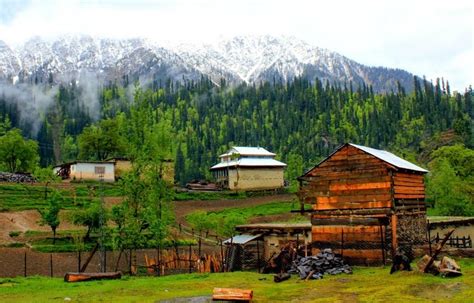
349 179
409 190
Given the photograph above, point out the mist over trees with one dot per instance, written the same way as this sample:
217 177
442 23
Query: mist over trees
302 121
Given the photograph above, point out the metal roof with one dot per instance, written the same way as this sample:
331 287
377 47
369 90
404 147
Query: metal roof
242 239
248 151
250 162
390 158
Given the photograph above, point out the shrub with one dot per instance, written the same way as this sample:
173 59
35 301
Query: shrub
14 234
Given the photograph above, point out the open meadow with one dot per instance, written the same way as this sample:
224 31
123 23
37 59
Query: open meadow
366 284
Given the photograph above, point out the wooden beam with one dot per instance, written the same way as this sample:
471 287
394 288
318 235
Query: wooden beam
394 234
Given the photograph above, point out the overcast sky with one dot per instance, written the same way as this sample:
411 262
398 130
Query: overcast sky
432 38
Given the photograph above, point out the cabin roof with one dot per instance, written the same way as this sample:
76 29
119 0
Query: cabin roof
247 151
383 155
250 162
390 158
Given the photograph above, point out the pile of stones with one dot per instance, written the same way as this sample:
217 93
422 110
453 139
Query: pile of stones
314 267
17 178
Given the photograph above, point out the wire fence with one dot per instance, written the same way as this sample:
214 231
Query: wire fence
184 259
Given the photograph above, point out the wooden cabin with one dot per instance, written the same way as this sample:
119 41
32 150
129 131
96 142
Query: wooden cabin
249 168
365 203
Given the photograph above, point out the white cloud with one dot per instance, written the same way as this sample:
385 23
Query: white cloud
432 38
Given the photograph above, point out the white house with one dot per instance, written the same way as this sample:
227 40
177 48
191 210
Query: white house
87 170
249 168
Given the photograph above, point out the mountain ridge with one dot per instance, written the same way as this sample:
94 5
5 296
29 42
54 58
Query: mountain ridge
249 59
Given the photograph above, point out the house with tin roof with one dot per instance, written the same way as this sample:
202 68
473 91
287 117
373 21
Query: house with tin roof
249 168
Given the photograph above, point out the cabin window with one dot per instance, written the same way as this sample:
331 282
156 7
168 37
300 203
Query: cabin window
99 170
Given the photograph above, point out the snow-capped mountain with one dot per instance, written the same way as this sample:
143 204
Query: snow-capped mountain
241 59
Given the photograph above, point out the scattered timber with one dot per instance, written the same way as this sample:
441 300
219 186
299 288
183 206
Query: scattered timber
438 250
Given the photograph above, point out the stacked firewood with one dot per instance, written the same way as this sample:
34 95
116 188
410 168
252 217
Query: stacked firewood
314 267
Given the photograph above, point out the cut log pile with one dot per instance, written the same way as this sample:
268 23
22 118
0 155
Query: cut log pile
314 267
16 178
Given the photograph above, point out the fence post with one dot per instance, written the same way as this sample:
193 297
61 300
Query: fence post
222 257
342 242
382 244
258 257
51 264
190 267
24 269
429 238
79 261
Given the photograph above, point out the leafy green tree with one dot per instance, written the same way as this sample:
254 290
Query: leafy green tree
17 153
88 217
448 192
99 142
50 215
294 169
451 181
226 227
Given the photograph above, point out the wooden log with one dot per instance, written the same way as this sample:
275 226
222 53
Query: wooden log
411 196
349 221
232 294
281 277
394 234
83 276
324 205
373 212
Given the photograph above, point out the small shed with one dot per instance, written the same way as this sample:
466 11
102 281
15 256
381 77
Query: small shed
365 202
87 170
244 252
249 168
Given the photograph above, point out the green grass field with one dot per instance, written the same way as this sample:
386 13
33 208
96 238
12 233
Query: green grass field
366 284
267 209
17 197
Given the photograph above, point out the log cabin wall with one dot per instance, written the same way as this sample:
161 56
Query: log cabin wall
349 179
362 206
409 191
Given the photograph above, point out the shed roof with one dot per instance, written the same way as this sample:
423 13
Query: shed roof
390 158
248 151
383 155
242 239
249 162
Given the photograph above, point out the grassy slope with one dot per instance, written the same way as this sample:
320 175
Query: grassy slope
17 197
365 285
268 209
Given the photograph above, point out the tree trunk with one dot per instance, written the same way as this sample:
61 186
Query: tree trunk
54 235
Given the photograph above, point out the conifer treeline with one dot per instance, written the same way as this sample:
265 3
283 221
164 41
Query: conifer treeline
299 117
